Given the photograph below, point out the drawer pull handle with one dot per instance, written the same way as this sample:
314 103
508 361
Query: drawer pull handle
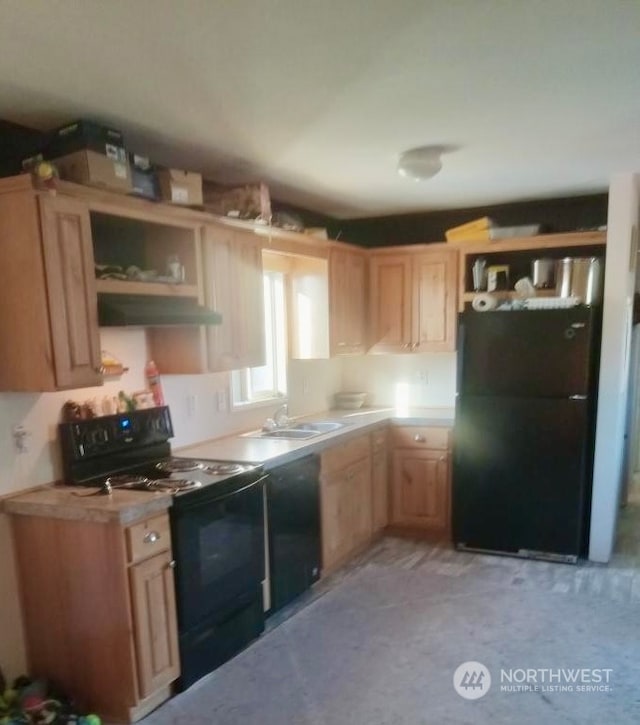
151 537
419 438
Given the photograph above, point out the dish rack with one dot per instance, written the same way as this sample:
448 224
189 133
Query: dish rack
550 303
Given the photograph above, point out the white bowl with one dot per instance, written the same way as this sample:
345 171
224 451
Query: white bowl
349 401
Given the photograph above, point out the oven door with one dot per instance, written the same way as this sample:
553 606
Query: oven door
218 546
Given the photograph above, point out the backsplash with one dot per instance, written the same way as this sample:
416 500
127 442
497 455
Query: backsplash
424 380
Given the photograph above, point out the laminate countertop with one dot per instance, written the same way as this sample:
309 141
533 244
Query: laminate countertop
61 502
126 507
271 452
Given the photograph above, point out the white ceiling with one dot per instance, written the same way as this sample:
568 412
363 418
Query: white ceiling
318 97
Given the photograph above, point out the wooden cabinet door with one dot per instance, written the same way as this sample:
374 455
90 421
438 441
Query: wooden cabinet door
379 490
421 489
390 302
154 623
434 301
359 492
71 291
347 300
335 508
234 287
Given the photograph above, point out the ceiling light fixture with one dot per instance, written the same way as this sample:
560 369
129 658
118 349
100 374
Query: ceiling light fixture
422 162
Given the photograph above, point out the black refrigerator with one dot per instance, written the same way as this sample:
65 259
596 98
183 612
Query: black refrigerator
524 431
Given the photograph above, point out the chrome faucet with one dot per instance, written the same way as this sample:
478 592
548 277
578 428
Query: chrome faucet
280 419
281 416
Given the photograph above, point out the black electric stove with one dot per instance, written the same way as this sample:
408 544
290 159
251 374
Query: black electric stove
217 526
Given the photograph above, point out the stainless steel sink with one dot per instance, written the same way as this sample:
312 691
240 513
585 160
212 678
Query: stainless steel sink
300 431
290 433
320 426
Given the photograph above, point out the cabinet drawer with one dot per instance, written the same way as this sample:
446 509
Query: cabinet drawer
149 537
341 456
421 437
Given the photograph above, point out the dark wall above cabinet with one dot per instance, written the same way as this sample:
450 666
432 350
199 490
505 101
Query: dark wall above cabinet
556 215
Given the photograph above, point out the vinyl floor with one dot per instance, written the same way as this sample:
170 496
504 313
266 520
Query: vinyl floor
378 644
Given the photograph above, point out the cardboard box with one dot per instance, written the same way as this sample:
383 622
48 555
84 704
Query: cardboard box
143 177
180 187
94 169
87 135
244 202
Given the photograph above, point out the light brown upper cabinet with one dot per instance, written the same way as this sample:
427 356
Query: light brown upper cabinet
413 301
347 301
232 268
49 324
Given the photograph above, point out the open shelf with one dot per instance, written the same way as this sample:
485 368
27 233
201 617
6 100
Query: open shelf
519 254
507 294
127 287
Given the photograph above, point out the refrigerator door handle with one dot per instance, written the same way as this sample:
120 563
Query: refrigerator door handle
577 397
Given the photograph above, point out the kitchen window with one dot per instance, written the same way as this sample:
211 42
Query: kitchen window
268 382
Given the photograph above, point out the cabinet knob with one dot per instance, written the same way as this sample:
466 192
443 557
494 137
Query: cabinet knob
443 458
151 537
172 564
419 438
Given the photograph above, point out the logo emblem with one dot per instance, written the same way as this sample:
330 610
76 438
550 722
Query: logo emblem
471 680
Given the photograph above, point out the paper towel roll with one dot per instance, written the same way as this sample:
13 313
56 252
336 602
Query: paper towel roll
484 302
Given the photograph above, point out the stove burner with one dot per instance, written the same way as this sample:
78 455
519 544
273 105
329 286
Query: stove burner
225 469
179 465
140 483
173 484
126 480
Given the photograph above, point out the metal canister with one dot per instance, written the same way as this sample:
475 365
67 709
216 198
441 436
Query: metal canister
543 273
580 277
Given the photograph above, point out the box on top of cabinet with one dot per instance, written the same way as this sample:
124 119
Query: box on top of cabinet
143 177
94 169
85 135
180 187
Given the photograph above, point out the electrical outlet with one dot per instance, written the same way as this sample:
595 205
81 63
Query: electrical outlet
21 438
422 377
191 405
221 401
306 386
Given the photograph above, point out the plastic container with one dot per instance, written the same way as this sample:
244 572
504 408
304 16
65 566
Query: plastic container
153 382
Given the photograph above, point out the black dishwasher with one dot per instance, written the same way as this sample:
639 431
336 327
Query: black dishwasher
294 529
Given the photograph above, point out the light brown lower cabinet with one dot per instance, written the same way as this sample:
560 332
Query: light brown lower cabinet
345 500
154 622
421 479
99 610
379 481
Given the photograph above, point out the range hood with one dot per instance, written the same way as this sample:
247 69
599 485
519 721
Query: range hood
116 310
